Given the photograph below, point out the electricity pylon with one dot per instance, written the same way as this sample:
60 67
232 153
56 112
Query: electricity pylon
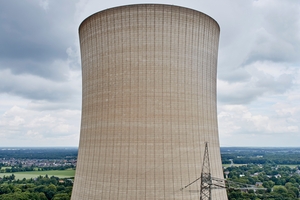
208 182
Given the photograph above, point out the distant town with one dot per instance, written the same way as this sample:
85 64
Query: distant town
41 163
30 159
250 173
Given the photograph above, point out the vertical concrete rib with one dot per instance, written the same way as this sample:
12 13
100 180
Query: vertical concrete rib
148 103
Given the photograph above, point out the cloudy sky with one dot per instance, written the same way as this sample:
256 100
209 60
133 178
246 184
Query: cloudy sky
258 70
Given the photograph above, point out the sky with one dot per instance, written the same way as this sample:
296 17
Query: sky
258 70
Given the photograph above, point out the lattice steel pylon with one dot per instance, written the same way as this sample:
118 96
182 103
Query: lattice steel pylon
206 180
208 183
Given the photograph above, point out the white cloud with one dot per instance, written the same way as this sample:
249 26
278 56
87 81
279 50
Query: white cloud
236 121
24 124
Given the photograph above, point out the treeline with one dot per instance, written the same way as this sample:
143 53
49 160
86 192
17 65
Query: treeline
279 156
32 168
39 153
279 161
41 188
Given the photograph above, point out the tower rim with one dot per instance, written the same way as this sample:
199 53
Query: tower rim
144 4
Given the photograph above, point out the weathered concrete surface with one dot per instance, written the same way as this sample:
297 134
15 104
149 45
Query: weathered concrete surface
149 103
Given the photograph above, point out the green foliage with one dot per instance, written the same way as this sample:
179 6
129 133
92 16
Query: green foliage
61 196
284 187
41 188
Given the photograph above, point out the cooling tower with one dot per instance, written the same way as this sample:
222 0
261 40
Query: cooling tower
148 103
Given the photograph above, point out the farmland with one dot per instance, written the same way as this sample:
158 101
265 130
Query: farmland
33 174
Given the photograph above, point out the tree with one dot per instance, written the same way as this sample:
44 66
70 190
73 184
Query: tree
42 196
50 191
61 196
4 189
280 189
268 184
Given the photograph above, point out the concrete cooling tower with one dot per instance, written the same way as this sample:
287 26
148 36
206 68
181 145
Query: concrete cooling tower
148 104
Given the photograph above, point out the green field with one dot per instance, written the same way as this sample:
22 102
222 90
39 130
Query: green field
234 165
290 166
5 167
237 165
34 174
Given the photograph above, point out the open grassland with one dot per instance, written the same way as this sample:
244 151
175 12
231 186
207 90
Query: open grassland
234 165
290 166
5 168
33 174
238 165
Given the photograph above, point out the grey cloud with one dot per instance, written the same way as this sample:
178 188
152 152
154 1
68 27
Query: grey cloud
250 90
31 37
35 88
237 75
238 97
42 105
278 38
52 71
268 32
272 48
280 85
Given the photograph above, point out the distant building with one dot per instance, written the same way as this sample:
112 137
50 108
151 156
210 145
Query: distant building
277 176
226 174
258 184
255 174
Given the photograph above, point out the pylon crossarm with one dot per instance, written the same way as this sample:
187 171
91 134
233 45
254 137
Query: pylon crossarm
218 183
190 183
241 186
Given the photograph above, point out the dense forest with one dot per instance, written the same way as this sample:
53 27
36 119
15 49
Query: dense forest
40 188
